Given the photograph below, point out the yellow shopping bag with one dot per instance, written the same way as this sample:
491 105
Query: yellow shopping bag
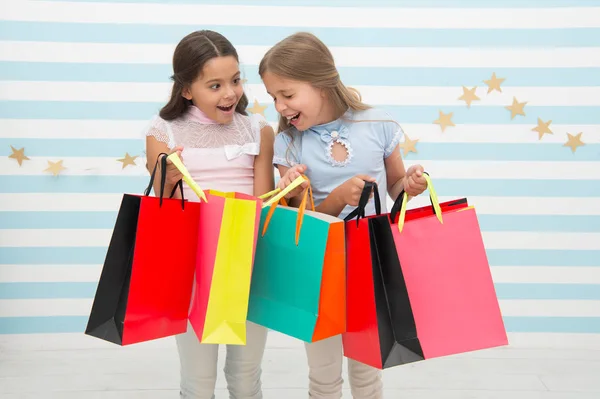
227 234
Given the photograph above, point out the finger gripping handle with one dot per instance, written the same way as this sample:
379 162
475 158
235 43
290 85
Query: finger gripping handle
359 212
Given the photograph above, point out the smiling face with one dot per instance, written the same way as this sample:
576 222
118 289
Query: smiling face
218 89
302 104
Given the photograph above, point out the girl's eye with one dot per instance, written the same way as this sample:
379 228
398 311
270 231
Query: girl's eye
288 97
236 80
215 86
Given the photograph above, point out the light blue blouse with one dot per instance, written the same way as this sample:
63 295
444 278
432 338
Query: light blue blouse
370 137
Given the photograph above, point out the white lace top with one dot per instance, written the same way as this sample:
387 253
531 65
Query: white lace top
218 156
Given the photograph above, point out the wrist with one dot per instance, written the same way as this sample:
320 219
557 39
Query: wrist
337 199
169 185
396 189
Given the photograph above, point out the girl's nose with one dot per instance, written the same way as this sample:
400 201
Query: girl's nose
280 107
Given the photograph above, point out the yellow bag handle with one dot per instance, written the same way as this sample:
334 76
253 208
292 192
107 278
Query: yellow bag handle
186 176
301 209
269 194
434 201
282 193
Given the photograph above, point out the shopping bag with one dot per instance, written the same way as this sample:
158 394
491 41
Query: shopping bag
374 287
433 295
146 281
449 299
226 243
298 285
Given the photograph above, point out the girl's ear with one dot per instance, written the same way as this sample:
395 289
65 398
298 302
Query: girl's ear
186 93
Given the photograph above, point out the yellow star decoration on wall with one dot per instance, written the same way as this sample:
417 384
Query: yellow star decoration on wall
408 145
469 96
574 142
543 128
19 155
444 120
516 108
244 81
494 83
127 160
257 108
55 167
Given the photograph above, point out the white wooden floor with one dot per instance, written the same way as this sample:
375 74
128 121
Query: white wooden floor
69 366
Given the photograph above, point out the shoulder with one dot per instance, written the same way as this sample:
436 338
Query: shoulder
287 148
267 134
158 132
379 125
375 118
261 129
256 120
157 122
374 113
157 127
289 139
288 135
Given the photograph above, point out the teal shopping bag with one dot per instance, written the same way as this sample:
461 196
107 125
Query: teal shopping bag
298 280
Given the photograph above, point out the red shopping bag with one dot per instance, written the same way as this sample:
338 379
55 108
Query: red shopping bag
145 287
453 303
375 298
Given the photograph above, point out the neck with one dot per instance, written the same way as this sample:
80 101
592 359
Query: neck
328 113
199 116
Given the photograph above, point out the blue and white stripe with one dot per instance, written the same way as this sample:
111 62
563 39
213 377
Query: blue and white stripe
80 79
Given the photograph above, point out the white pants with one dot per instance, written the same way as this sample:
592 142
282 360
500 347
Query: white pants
242 365
325 372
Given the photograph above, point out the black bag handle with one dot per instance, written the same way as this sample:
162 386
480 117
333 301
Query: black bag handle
163 180
359 212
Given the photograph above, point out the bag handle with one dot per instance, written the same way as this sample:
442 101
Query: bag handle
186 175
282 193
269 194
302 208
401 201
359 212
163 179
280 199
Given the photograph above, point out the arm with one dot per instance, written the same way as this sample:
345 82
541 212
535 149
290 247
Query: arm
264 178
153 148
412 180
348 193
332 205
395 172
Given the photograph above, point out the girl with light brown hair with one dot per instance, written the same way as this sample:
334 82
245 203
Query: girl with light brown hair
339 142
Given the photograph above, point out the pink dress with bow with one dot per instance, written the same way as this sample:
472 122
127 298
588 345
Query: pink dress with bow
219 157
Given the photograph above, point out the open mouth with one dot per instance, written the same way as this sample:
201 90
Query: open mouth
293 118
226 109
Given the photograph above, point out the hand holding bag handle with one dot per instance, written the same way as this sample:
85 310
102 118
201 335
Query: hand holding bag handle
359 212
401 201
163 180
282 193
186 175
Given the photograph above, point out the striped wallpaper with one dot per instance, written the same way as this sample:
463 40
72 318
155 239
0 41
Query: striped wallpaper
80 79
